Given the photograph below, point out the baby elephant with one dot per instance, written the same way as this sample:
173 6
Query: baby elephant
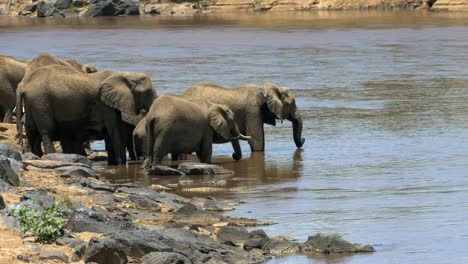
176 125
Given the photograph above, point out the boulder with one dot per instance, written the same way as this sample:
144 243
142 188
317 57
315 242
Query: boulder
9 150
165 258
189 213
73 158
30 8
69 241
128 8
279 246
78 252
231 235
2 203
78 3
38 197
76 171
104 251
63 4
257 239
10 222
212 204
9 171
163 171
101 8
30 155
98 221
45 10
333 245
53 255
150 10
194 168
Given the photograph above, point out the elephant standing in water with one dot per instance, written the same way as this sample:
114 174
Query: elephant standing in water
64 104
11 74
176 125
253 106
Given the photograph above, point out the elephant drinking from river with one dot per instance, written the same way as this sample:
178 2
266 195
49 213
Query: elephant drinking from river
253 105
178 126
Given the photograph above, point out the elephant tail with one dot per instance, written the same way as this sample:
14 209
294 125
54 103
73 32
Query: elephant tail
19 114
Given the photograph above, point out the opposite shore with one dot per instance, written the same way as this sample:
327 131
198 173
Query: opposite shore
93 8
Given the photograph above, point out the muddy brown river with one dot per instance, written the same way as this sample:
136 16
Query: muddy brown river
384 97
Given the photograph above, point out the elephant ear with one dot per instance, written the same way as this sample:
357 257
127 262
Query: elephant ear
219 123
116 92
88 68
273 99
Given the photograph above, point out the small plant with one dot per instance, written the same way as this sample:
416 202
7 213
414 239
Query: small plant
45 226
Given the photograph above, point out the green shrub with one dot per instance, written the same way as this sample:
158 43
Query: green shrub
45 226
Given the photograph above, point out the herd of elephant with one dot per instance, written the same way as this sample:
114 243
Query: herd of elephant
62 100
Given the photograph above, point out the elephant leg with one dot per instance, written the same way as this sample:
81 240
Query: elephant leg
33 143
237 155
115 143
159 151
111 160
255 130
205 151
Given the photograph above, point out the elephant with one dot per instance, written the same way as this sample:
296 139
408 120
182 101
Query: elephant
253 106
177 125
11 74
70 106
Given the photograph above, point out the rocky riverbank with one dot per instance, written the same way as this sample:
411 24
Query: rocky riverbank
92 8
55 209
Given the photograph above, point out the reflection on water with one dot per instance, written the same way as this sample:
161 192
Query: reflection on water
383 97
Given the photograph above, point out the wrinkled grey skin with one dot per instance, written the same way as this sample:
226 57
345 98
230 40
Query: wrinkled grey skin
176 125
11 74
63 104
139 139
253 106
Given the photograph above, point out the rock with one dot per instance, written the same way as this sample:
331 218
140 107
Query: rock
2 202
97 185
105 251
9 150
98 221
233 235
69 241
73 158
78 252
30 155
10 222
257 239
63 4
138 243
211 204
6 9
49 165
193 168
76 171
101 8
189 213
128 8
333 245
9 171
78 3
144 202
165 258
148 9
163 171
45 9
4 186
23 258
38 197
53 255
280 247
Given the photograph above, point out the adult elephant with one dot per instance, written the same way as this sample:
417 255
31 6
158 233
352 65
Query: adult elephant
253 106
11 74
63 104
177 125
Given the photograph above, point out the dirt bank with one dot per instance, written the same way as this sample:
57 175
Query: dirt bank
91 8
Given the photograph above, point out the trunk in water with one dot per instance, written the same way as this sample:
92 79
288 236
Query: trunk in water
297 129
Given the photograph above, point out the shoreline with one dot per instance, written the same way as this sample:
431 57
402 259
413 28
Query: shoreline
94 8
131 221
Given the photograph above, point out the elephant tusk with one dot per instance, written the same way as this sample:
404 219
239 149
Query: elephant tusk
242 137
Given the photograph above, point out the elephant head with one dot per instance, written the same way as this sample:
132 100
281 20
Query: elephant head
222 121
130 93
280 103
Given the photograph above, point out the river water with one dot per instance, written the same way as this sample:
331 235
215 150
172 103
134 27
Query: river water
384 101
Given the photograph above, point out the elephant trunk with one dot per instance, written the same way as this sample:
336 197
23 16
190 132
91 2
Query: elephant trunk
296 120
